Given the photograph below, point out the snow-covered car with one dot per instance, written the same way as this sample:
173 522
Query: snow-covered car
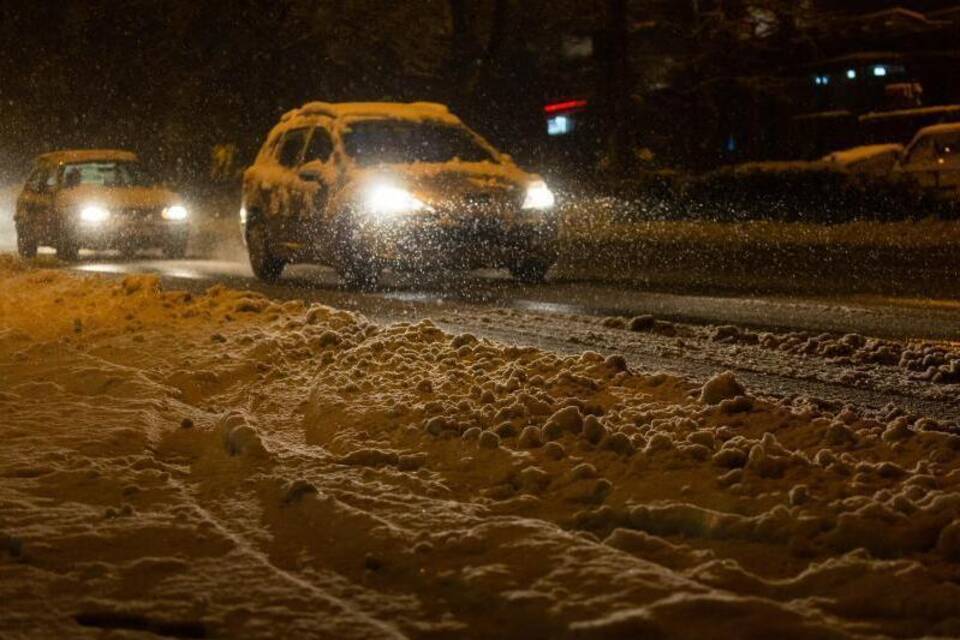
933 159
874 159
365 186
97 199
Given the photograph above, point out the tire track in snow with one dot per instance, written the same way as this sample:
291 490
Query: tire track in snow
249 550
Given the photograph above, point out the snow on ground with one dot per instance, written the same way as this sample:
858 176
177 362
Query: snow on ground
910 257
224 465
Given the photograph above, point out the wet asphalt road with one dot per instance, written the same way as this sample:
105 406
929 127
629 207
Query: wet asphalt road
405 296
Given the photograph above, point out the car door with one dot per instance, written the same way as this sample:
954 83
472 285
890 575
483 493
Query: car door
947 150
35 204
317 176
287 197
921 162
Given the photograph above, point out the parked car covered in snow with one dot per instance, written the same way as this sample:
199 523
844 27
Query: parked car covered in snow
933 159
364 186
97 199
874 159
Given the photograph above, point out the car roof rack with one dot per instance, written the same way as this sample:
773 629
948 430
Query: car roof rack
86 155
343 109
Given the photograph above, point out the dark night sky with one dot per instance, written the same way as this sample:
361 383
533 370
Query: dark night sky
167 75
172 77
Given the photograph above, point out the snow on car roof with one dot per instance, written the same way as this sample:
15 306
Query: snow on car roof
86 155
939 129
854 155
944 109
395 110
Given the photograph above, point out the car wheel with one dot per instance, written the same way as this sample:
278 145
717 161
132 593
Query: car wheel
265 265
358 268
531 271
67 248
26 242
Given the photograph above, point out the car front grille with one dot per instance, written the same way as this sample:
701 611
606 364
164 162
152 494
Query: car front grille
478 207
141 214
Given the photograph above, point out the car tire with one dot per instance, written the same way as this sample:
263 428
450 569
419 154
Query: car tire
26 241
67 248
266 266
532 271
358 268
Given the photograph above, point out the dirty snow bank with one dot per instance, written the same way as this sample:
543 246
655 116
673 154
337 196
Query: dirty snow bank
914 257
919 374
230 466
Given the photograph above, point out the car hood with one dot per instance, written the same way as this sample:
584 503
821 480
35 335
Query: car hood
118 197
436 184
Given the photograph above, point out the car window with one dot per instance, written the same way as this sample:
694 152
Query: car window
292 147
320 147
405 142
108 173
947 149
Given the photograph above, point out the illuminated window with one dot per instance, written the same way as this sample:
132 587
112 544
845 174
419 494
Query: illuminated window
559 126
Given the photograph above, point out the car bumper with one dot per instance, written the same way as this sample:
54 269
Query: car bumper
472 244
118 234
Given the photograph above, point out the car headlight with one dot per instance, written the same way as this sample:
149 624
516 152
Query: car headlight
94 214
176 213
386 201
539 196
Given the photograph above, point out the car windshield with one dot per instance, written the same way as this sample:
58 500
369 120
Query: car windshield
948 146
107 173
404 142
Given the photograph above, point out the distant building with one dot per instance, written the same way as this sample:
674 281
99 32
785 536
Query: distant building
862 92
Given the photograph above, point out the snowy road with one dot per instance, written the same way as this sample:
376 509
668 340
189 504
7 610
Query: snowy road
570 317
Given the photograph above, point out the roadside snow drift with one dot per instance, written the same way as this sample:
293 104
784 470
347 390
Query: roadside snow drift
227 466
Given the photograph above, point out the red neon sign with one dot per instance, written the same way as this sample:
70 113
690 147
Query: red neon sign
569 105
